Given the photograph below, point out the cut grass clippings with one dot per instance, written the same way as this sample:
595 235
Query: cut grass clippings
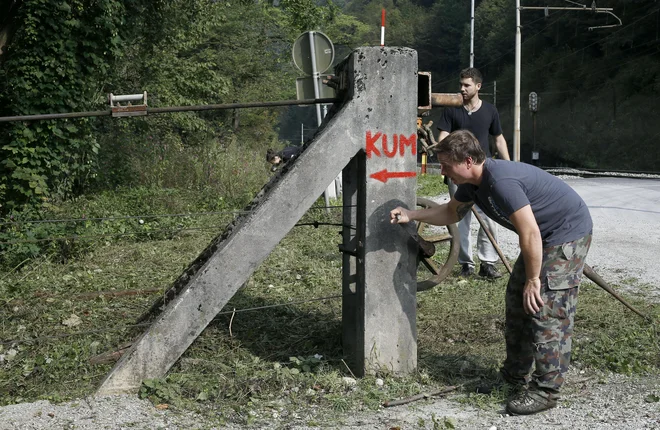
285 358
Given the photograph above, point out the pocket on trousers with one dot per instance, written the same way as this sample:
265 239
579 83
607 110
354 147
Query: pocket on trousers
563 281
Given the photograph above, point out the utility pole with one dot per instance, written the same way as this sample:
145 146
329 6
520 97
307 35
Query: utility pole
472 34
516 113
516 106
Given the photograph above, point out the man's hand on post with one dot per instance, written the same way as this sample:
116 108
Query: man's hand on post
399 216
532 301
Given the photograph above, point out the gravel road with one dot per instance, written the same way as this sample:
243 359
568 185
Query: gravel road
626 243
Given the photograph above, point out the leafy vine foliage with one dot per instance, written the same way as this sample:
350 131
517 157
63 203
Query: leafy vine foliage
67 56
59 58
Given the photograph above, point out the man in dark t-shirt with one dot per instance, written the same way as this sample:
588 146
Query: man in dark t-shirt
482 119
554 228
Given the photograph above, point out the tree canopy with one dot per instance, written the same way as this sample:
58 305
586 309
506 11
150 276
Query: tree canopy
595 86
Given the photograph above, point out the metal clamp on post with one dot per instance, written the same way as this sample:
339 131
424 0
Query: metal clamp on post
128 109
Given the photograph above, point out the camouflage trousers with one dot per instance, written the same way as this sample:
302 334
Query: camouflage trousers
544 339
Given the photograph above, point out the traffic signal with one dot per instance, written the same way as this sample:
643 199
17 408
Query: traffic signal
533 102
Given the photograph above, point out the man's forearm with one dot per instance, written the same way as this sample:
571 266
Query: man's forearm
502 149
441 215
531 248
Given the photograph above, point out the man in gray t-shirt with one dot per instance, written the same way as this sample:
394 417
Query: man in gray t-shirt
561 214
554 228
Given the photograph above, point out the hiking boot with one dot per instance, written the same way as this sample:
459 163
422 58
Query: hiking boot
531 401
489 271
466 270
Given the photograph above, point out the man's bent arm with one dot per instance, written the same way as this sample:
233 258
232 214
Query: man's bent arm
448 213
531 248
500 143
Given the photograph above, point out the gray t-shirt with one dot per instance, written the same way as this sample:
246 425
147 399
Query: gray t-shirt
506 186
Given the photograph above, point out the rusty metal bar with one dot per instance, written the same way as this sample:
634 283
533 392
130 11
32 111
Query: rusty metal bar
446 99
197 108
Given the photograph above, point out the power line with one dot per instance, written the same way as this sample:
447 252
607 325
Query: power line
581 76
527 39
590 45
446 79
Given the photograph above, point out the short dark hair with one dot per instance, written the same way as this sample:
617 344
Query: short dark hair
472 73
460 145
270 155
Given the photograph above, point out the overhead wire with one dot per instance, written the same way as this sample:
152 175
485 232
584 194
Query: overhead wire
545 65
529 38
447 79
655 45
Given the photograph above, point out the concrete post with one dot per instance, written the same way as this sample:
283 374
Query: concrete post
376 120
379 282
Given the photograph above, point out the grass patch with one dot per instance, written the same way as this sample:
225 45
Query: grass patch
431 185
283 361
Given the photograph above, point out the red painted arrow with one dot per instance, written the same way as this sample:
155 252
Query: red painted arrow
384 175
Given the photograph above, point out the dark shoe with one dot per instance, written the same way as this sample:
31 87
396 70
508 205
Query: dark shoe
466 270
531 401
489 271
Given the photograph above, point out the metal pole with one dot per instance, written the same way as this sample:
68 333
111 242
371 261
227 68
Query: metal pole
195 108
534 137
472 34
315 76
319 119
516 110
495 93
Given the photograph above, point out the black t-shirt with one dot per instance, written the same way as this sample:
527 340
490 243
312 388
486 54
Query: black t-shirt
481 122
506 186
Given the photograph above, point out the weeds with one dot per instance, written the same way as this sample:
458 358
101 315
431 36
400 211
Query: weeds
281 360
430 185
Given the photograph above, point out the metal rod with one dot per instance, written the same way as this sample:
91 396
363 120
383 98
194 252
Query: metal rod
195 108
54 116
492 240
591 274
588 271
446 99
